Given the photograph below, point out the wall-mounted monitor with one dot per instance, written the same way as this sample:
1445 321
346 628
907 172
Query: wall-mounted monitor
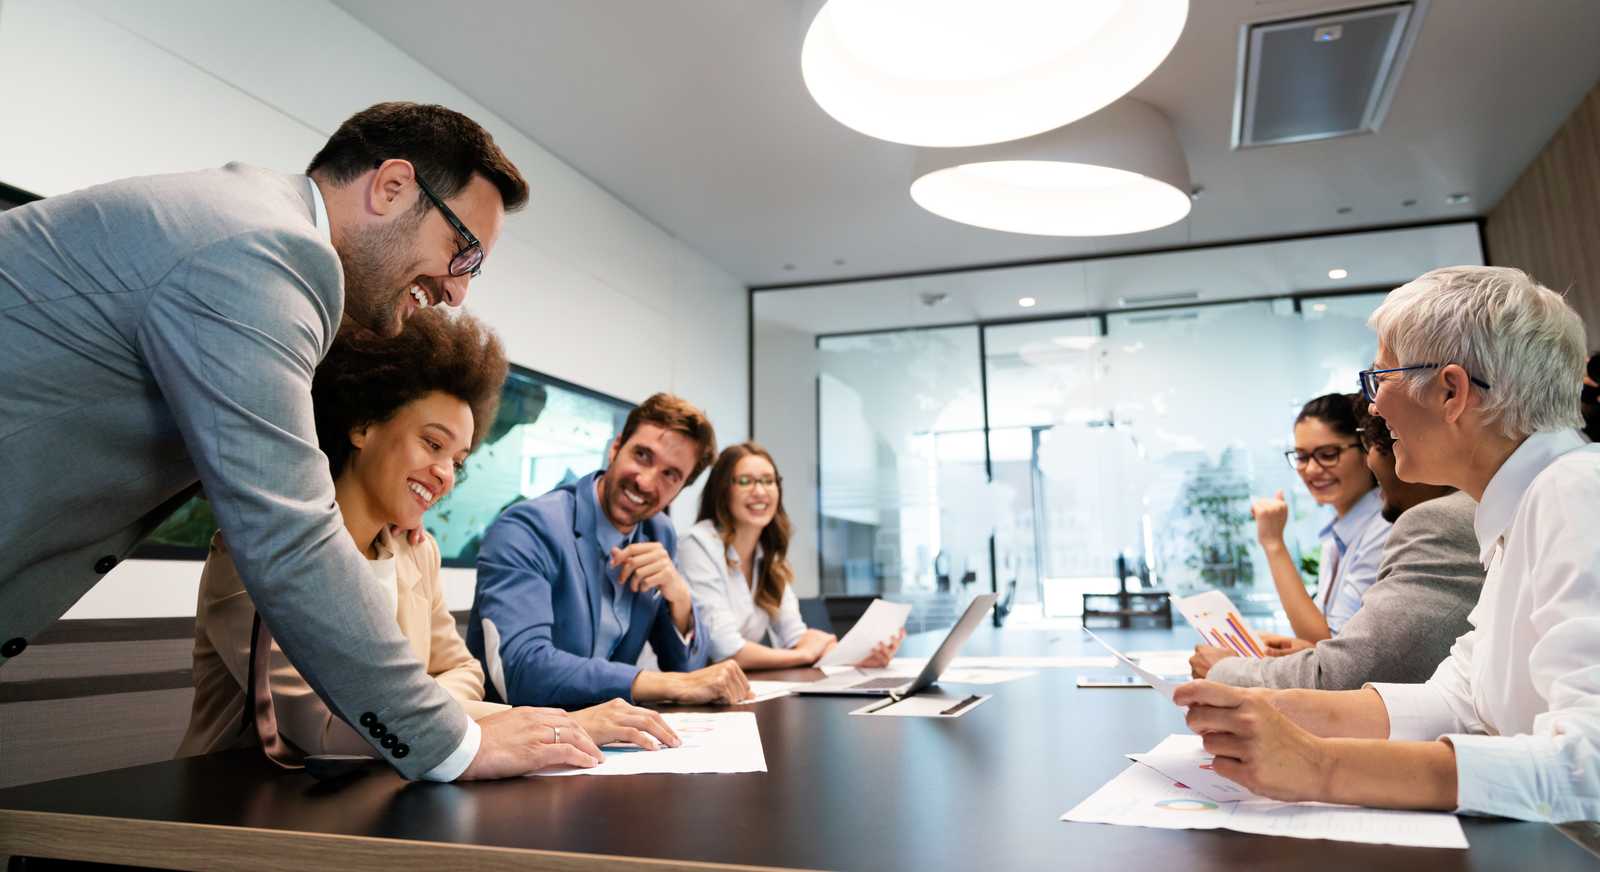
547 432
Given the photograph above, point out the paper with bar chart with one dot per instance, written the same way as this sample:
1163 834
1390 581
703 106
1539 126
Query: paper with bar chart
1217 620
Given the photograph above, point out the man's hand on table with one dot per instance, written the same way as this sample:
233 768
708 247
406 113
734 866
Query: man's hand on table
522 740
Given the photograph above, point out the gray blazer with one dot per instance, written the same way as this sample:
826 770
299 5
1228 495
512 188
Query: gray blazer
161 329
1428 582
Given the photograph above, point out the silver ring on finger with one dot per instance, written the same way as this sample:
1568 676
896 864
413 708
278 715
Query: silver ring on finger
558 735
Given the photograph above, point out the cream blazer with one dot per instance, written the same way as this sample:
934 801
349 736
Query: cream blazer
225 615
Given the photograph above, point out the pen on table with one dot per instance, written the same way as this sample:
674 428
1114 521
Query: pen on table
961 705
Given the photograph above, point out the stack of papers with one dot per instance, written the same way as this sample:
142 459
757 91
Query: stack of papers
1144 796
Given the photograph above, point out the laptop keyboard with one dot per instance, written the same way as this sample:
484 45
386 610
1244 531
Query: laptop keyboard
889 683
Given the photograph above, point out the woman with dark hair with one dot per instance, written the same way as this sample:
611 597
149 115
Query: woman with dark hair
736 561
1329 457
396 418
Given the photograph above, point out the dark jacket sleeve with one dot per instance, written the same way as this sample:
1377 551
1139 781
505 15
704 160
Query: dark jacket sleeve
1427 584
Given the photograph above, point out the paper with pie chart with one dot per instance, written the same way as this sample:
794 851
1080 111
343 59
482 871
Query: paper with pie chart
1184 759
723 742
1142 796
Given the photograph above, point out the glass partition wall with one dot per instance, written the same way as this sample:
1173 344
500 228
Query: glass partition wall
1138 435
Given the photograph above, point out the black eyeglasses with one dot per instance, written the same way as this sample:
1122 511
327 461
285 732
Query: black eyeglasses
1369 378
469 260
1325 455
770 482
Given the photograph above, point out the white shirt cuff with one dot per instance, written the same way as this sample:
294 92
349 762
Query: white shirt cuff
688 641
1417 712
452 766
1501 776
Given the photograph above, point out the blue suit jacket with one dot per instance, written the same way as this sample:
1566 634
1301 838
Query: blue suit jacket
536 612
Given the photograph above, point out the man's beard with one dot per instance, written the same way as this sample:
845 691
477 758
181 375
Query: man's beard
612 499
376 274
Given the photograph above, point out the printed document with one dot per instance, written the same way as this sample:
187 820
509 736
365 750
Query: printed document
1217 620
714 742
1143 797
1166 686
879 623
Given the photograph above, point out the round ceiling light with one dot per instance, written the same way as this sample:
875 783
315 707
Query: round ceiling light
950 73
1118 171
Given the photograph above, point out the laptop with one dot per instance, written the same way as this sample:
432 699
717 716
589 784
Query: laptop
854 683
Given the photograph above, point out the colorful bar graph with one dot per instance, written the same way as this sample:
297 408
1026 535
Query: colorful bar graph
1238 627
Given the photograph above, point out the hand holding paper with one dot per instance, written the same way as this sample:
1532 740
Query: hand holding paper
882 621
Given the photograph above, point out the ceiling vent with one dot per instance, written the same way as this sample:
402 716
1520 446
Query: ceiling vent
1321 76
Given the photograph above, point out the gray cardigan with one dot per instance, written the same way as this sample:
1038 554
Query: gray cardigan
1428 582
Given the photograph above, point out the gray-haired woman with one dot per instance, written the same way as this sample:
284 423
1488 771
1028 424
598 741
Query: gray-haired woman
1477 375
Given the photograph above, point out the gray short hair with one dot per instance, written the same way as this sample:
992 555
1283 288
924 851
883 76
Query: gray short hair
1504 328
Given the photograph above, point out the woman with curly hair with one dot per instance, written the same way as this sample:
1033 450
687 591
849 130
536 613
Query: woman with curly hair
396 418
735 559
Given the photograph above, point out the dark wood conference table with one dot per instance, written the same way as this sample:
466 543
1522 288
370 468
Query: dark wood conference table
984 791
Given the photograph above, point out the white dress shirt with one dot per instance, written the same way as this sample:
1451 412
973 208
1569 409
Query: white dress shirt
451 767
1352 551
1519 695
727 601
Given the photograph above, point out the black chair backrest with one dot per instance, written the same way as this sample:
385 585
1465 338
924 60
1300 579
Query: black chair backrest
814 612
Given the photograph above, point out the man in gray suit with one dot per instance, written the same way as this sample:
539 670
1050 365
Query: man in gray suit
1427 584
162 329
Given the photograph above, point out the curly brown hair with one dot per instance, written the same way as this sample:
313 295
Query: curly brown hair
366 378
671 412
775 571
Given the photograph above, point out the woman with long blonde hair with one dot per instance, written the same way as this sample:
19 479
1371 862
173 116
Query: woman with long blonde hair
736 561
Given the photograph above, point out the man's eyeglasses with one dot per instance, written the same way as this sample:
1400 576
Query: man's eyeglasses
746 482
469 260
1369 378
1325 455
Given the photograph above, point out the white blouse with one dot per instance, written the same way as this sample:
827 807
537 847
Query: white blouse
727 602
1519 695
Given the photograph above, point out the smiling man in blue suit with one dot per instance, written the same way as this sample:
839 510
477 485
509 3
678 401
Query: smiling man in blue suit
573 583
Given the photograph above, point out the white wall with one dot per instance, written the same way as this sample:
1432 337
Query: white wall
786 425
580 286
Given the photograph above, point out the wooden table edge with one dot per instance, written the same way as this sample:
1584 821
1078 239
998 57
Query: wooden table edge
190 846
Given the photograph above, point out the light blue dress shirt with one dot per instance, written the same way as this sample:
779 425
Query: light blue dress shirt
1358 538
619 599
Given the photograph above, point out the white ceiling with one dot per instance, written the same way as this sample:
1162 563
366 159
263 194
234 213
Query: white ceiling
693 112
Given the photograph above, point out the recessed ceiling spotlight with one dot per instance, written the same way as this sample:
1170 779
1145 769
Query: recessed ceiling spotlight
1337 273
1408 203
970 72
1027 302
788 267
1319 307
1459 198
838 261
933 298
1344 210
